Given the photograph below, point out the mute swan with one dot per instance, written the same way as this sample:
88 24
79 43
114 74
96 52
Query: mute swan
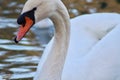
91 43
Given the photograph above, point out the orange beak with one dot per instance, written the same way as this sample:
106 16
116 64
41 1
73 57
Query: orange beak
24 29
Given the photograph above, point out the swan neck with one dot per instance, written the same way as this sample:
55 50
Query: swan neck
52 65
61 42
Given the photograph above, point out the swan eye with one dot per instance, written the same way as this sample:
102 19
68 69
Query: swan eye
34 8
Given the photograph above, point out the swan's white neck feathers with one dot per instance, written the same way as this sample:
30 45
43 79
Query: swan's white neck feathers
52 66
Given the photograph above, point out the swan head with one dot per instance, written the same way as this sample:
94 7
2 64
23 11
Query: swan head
34 11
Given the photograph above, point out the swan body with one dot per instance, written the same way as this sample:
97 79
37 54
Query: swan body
83 48
92 58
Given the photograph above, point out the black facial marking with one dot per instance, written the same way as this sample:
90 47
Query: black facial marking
30 14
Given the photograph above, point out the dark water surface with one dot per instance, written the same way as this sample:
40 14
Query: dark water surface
19 61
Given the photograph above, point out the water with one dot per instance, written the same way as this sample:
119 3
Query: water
19 61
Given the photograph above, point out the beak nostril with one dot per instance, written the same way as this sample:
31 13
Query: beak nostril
23 25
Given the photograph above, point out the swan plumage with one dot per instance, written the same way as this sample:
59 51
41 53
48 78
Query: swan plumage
93 30
92 49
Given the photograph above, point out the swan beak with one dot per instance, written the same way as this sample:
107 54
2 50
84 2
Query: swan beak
24 29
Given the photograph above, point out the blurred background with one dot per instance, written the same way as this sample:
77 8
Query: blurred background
19 61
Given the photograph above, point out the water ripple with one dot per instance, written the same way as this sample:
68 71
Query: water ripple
5 41
20 47
23 75
29 59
